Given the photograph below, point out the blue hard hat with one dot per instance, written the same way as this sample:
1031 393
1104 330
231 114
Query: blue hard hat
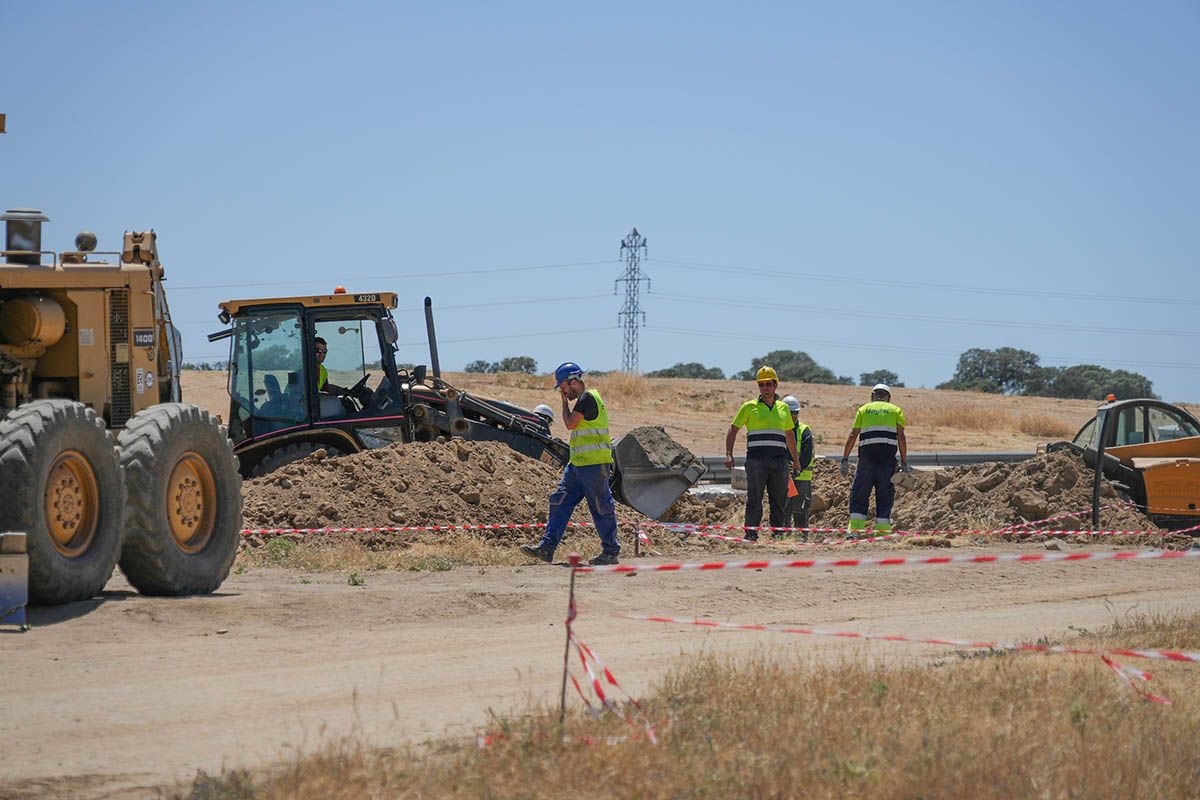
566 371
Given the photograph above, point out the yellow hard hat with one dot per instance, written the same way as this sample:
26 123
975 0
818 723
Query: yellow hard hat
766 374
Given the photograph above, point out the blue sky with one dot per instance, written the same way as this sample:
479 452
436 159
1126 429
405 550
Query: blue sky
883 185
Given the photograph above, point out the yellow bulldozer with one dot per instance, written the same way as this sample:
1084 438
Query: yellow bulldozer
100 462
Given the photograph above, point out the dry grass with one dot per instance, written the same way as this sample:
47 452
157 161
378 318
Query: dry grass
967 724
976 415
622 387
1046 425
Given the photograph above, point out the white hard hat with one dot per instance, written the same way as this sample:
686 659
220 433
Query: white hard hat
543 410
791 402
882 387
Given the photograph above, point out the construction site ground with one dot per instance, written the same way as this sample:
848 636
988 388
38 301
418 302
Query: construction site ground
116 696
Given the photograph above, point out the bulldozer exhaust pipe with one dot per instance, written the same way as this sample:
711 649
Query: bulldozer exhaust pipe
434 364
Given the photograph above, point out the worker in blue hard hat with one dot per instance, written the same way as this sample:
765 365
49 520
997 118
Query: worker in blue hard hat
587 474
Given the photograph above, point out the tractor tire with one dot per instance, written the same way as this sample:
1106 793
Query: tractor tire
62 485
289 453
183 516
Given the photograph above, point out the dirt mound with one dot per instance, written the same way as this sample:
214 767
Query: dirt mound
983 496
433 483
661 450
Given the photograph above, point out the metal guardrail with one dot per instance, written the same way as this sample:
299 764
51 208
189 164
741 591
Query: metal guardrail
717 472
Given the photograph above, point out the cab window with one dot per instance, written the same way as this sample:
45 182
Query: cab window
1131 426
1086 437
355 383
1169 424
267 379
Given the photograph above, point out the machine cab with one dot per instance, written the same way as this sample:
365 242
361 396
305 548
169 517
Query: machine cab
303 362
1140 421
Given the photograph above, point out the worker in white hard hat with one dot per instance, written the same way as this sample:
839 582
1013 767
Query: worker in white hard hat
770 447
798 506
545 412
879 430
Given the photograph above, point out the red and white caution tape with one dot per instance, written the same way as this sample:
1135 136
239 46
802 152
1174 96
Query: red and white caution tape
689 527
588 658
891 561
411 528
1126 674
972 644
685 528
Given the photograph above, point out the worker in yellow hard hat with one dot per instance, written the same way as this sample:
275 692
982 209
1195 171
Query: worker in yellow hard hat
770 452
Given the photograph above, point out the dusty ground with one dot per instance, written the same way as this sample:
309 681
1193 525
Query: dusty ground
111 697
697 413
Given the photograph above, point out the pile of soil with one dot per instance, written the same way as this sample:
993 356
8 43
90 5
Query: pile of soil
982 496
443 482
470 483
661 450
433 483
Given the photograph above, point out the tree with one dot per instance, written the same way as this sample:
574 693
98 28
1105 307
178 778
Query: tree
516 364
1005 369
692 369
1014 371
792 365
479 366
1093 382
880 376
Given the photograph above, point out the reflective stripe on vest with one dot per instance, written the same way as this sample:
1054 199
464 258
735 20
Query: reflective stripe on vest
766 427
590 441
877 423
805 475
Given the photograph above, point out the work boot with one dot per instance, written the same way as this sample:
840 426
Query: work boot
603 560
539 551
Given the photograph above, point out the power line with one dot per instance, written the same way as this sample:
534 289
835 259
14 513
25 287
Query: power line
633 247
882 315
394 276
558 333
933 287
490 304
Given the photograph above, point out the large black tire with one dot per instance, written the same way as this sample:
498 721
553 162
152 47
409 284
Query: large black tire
61 484
289 453
183 516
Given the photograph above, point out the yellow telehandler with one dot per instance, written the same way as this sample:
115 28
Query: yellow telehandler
100 462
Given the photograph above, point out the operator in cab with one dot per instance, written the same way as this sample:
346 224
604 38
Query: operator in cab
323 385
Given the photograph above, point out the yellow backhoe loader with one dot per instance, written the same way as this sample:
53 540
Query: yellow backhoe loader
1151 452
100 462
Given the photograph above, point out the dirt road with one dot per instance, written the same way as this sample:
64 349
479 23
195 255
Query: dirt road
111 697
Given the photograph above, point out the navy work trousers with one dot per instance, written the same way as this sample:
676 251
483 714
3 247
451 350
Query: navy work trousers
578 483
770 473
875 475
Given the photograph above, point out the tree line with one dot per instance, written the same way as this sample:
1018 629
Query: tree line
1005 370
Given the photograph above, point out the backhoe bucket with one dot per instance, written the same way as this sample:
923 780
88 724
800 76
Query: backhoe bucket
645 483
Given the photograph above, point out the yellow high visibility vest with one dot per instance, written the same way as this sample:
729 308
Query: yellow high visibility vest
590 442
